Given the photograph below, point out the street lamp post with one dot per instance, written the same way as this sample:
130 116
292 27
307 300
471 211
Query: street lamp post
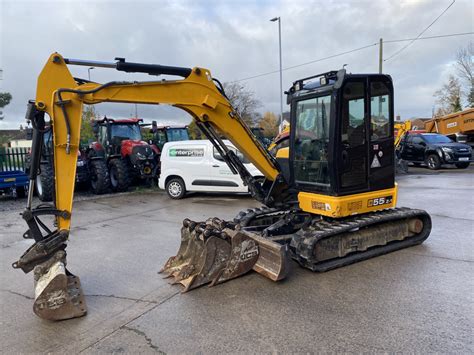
89 72
281 71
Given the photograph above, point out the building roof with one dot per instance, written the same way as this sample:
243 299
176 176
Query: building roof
12 134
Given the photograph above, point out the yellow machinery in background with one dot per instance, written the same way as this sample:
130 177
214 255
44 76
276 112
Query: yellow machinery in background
328 199
458 126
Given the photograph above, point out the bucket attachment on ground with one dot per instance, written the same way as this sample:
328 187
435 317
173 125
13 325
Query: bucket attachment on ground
58 293
212 252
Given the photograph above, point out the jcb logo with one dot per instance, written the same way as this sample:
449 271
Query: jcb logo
379 201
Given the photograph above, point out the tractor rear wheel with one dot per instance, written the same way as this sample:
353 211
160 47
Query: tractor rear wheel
99 176
119 175
44 184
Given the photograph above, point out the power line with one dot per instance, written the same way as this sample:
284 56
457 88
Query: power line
411 42
350 51
430 37
310 62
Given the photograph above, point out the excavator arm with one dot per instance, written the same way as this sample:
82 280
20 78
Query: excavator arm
61 97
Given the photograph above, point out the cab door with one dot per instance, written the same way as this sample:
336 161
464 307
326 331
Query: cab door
353 137
381 149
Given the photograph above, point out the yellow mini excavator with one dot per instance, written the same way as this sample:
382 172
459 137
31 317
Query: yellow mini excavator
328 199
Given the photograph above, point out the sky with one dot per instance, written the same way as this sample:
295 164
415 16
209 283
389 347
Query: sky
235 40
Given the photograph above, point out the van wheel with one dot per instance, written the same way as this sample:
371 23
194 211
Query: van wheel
175 188
433 162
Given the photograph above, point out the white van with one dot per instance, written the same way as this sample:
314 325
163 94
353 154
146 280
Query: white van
198 166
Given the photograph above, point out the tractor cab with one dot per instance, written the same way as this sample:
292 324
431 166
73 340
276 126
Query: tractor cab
341 139
164 134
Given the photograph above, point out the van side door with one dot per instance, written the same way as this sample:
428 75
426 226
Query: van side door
222 178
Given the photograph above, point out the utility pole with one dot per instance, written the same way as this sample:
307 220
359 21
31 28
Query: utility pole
380 71
380 55
281 71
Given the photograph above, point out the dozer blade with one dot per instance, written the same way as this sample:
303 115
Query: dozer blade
273 260
213 252
58 293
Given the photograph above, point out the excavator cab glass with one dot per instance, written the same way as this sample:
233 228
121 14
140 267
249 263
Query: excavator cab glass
342 142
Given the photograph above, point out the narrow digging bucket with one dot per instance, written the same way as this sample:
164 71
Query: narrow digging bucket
58 293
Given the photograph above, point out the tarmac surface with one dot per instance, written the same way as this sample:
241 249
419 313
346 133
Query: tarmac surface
414 300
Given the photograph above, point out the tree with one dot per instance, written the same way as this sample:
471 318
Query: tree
449 97
87 133
244 102
5 98
194 131
269 123
465 70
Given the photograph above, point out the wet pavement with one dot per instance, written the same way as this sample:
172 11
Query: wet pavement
415 300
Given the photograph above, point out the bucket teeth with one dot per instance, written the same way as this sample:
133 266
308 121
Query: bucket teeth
58 293
212 252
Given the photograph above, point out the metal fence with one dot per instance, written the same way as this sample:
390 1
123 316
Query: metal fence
13 158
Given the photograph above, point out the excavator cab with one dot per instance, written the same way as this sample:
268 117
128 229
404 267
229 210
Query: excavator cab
342 141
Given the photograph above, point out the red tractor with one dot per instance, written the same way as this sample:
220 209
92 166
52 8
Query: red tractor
119 155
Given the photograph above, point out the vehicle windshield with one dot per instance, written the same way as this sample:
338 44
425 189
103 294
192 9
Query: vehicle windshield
436 138
312 140
177 134
127 131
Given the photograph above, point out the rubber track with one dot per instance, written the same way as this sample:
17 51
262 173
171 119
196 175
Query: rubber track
304 241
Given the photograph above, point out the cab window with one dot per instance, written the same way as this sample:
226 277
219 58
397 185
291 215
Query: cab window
379 110
312 140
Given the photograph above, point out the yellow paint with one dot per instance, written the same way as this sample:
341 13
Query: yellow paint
342 206
283 153
197 95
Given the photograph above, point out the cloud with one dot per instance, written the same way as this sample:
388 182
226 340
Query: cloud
234 39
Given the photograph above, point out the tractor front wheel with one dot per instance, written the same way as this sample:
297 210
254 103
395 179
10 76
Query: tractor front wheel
99 176
119 176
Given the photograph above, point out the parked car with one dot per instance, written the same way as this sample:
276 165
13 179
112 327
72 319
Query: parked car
198 166
434 150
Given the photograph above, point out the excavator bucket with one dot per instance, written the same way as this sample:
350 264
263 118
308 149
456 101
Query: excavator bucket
58 293
212 252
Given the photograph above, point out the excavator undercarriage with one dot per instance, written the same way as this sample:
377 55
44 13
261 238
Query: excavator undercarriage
264 239
329 198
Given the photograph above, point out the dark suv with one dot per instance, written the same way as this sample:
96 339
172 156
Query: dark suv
434 150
